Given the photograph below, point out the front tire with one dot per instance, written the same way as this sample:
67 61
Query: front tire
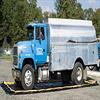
27 79
77 73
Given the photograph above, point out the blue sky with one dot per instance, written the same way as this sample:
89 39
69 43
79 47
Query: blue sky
90 3
49 5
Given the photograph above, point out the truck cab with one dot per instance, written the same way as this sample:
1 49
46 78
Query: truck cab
29 55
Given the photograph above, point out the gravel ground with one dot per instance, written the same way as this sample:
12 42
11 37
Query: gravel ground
86 93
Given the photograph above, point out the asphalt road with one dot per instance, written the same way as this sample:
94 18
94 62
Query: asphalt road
86 93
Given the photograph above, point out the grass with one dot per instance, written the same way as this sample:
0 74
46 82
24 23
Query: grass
5 57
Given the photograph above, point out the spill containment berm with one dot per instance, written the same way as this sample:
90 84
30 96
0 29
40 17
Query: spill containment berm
8 87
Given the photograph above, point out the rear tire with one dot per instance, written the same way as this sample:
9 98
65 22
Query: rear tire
77 73
28 78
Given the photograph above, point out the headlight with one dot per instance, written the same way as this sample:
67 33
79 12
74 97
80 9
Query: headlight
20 48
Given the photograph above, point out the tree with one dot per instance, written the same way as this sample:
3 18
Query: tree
0 12
16 14
96 20
53 15
1 21
38 14
46 14
4 29
88 14
69 9
79 12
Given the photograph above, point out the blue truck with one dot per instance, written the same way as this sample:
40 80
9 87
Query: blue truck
62 47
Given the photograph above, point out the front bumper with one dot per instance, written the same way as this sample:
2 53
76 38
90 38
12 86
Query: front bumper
16 74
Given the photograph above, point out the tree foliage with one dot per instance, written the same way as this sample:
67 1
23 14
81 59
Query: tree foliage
47 14
88 14
69 9
96 21
15 15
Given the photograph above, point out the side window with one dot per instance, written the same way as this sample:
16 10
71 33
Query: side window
40 33
30 33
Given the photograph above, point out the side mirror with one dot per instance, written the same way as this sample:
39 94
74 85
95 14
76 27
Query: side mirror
31 36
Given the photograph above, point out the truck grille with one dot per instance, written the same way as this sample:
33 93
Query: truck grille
15 60
15 51
15 55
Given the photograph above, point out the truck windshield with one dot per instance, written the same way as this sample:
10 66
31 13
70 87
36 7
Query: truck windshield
30 33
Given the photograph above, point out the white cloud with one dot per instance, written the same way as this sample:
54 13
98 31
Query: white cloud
91 1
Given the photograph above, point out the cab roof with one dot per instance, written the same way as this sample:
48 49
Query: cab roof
36 24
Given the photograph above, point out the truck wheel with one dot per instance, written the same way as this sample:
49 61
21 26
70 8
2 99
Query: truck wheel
66 76
77 73
27 79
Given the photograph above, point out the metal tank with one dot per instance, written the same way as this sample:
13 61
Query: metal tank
70 40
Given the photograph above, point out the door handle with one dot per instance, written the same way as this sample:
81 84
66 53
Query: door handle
43 50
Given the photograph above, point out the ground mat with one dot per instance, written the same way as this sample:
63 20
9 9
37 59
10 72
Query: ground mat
12 88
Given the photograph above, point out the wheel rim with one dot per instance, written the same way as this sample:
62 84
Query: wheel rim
28 78
79 74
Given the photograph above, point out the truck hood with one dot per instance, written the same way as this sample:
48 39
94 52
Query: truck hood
24 47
